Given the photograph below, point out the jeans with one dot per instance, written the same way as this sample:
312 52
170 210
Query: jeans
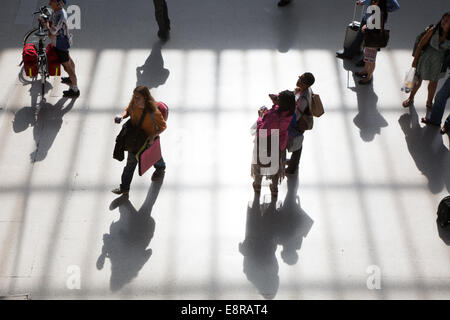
437 112
162 15
294 161
128 171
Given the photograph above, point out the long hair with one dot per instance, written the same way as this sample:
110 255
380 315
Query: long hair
439 27
149 102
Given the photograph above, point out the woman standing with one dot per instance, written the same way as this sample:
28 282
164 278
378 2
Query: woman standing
144 113
277 118
428 59
370 54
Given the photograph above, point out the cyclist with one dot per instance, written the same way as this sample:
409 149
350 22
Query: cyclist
57 28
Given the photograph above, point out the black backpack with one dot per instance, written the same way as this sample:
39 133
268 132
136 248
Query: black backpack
444 212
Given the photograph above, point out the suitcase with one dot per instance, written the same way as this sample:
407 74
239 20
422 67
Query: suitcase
352 30
444 212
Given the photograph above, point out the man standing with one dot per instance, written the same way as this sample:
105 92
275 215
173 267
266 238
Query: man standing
162 17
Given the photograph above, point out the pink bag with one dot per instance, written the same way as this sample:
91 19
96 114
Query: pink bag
148 156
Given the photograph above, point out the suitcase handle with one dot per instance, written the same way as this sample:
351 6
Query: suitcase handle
354 13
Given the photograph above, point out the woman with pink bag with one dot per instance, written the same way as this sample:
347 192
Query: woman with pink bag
273 121
146 124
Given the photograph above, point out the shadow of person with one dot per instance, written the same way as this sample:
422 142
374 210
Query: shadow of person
428 151
368 120
293 224
152 73
128 238
46 120
259 247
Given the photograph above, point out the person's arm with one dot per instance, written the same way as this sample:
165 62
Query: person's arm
423 42
125 114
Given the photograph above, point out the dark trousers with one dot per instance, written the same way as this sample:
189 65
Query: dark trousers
128 171
294 161
162 15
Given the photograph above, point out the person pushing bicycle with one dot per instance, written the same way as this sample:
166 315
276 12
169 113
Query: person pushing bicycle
57 28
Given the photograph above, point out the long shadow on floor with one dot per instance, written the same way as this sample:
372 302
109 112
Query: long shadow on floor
46 120
152 73
428 151
128 239
368 120
266 228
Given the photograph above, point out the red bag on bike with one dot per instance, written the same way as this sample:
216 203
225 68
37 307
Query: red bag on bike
54 66
30 60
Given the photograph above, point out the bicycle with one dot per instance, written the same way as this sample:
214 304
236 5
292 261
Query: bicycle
38 36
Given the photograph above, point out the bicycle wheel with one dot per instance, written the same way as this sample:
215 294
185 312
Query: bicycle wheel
30 37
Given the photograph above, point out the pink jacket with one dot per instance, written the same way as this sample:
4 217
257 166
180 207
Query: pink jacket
272 120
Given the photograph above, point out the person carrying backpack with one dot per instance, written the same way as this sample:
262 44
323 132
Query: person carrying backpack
59 31
428 60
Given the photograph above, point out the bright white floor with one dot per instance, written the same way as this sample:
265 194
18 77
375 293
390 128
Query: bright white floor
368 195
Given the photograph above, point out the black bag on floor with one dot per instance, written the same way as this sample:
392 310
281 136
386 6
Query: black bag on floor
444 212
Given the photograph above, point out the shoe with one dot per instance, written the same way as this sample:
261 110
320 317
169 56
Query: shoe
283 3
343 55
427 121
71 93
360 63
163 34
66 80
158 175
120 191
445 130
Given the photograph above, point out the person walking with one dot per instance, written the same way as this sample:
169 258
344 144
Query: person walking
428 61
144 113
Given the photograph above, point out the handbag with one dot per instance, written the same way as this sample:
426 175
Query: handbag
135 137
149 154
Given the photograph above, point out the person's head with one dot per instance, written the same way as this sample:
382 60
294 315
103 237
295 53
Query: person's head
57 4
444 25
305 81
286 101
143 98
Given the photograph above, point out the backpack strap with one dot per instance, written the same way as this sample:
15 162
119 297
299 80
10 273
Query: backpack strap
141 120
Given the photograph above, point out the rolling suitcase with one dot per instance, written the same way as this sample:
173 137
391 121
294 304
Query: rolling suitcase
444 212
352 30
